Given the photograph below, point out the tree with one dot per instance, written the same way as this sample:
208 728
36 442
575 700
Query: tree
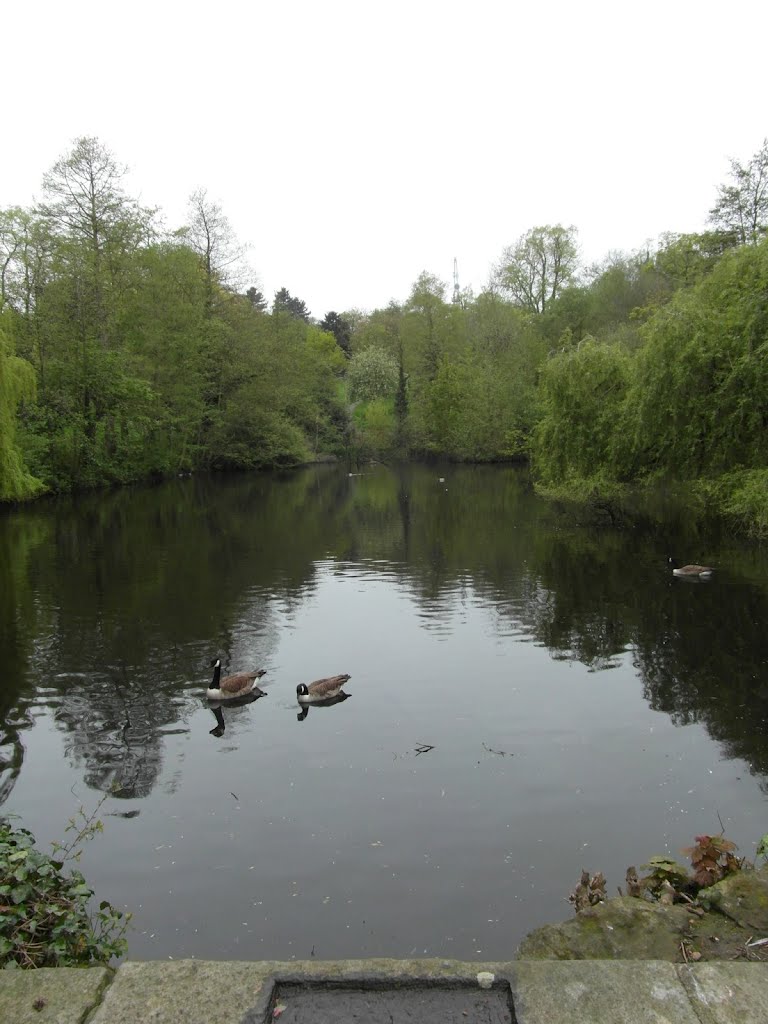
256 299
287 303
428 324
582 430
86 208
211 236
741 209
538 266
11 242
373 373
84 195
340 328
401 399
17 382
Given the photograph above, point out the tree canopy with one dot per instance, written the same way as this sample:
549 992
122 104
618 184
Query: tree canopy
129 351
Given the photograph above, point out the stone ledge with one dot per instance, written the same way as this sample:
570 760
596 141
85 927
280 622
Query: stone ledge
64 995
727 993
542 992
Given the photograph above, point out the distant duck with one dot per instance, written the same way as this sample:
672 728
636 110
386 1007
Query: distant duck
233 686
321 689
702 572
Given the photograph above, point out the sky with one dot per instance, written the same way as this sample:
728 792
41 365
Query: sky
353 145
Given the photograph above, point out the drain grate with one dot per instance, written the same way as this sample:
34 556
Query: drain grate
321 1003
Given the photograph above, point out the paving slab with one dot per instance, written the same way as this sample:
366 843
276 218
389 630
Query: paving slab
727 993
599 992
51 995
182 992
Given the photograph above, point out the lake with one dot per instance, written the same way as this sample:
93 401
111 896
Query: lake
530 696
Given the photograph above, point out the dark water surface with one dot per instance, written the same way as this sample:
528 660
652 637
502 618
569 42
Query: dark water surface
582 709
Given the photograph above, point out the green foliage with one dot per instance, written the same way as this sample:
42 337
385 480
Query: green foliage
741 210
762 847
340 328
139 354
684 260
373 373
741 497
700 396
535 270
286 303
690 402
582 393
663 869
17 384
45 920
377 427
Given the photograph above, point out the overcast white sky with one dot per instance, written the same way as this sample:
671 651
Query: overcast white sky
353 145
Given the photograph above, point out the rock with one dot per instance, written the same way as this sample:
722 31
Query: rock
742 897
627 928
624 928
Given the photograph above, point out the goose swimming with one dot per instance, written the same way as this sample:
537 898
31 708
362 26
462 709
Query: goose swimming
233 686
321 689
701 572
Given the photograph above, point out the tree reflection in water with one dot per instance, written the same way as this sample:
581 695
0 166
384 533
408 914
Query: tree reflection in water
113 604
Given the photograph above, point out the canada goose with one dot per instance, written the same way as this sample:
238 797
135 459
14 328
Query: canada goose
321 689
233 686
327 703
701 572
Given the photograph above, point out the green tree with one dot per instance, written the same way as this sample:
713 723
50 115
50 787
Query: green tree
286 303
538 266
371 374
581 434
17 384
340 328
700 401
401 403
87 209
741 210
256 299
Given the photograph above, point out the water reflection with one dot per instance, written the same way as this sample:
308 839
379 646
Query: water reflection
519 675
328 702
217 707
112 603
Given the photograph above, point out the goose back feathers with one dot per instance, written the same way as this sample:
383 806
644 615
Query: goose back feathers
700 571
321 689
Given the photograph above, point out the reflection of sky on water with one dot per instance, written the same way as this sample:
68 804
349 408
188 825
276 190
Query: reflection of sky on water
334 834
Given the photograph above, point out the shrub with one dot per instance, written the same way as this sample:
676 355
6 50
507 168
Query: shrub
45 920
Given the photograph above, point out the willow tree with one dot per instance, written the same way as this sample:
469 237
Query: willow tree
17 383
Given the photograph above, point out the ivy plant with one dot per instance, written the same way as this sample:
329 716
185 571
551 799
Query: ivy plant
46 918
